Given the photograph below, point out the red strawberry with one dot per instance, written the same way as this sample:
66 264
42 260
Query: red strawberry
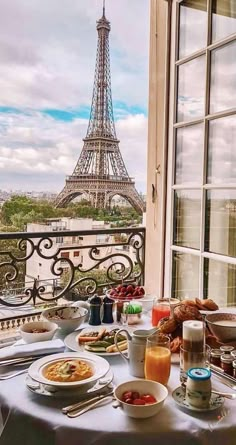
138 402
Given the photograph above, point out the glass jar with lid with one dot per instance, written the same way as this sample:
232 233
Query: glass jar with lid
233 354
198 387
215 357
227 363
226 349
234 369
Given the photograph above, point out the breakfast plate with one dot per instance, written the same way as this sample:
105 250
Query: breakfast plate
69 369
72 341
179 397
51 391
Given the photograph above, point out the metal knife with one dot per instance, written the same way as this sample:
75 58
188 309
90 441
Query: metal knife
20 360
79 412
79 405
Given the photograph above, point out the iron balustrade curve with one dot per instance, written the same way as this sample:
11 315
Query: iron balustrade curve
70 276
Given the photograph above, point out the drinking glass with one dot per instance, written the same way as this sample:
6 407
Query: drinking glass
160 309
158 358
190 359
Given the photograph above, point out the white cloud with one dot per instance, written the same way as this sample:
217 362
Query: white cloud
37 149
48 51
47 60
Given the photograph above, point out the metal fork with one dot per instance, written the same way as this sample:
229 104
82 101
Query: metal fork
80 411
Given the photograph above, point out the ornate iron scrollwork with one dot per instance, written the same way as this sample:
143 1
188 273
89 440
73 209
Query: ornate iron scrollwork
115 266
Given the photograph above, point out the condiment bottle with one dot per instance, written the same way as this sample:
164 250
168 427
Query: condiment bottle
227 363
108 310
226 349
198 387
234 369
215 357
95 310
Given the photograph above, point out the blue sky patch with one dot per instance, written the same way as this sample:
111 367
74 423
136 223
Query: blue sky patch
121 110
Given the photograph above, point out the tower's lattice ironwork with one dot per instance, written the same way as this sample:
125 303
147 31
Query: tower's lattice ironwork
100 172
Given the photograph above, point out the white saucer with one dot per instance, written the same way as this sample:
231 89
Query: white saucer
179 397
50 391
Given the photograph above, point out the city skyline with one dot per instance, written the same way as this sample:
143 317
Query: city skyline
45 108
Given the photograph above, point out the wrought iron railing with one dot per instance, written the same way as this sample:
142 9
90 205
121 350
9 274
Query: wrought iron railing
78 270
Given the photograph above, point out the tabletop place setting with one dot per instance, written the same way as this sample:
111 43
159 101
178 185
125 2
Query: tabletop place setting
76 354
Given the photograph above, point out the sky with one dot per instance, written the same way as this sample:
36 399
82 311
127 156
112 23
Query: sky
47 61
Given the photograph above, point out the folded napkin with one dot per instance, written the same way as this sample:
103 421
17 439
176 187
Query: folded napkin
32 349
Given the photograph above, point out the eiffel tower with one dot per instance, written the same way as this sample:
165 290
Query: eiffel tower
100 172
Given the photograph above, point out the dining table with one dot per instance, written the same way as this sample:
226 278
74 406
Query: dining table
29 419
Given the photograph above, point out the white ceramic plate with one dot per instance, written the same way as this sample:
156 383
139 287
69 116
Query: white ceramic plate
77 393
99 365
72 341
179 397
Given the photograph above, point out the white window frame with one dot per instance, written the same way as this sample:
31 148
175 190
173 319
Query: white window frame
174 63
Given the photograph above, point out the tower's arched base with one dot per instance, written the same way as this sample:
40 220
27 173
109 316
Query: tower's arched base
100 192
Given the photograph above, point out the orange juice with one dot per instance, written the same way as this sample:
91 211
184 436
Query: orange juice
157 364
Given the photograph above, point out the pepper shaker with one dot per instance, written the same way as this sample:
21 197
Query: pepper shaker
108 310
95 310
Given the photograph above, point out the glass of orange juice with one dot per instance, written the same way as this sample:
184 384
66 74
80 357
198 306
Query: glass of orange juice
158 358
160 309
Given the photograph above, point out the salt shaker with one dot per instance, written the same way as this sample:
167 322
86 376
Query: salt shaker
95 310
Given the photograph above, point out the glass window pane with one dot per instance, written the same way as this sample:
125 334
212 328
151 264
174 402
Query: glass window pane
221 151
187 218
192 26
221 222
223 18
220 282
189 154
223 78
185 282
191 90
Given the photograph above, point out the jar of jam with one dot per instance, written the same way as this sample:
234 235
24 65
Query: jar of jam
227 363
233 354
226 349
215 357
234 369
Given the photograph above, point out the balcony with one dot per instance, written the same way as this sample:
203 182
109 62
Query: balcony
36 271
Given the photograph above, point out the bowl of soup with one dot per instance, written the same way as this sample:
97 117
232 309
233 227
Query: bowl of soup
223 326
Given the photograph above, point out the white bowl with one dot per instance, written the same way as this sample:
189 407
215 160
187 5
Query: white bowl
99 365
32 337
222 325
156 389
67 318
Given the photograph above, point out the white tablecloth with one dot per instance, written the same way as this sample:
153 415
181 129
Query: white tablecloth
28 419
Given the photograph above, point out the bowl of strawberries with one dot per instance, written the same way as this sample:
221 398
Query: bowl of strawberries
126 292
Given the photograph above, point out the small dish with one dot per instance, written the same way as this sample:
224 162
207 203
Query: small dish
179 397
98 364
155 389
29 333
